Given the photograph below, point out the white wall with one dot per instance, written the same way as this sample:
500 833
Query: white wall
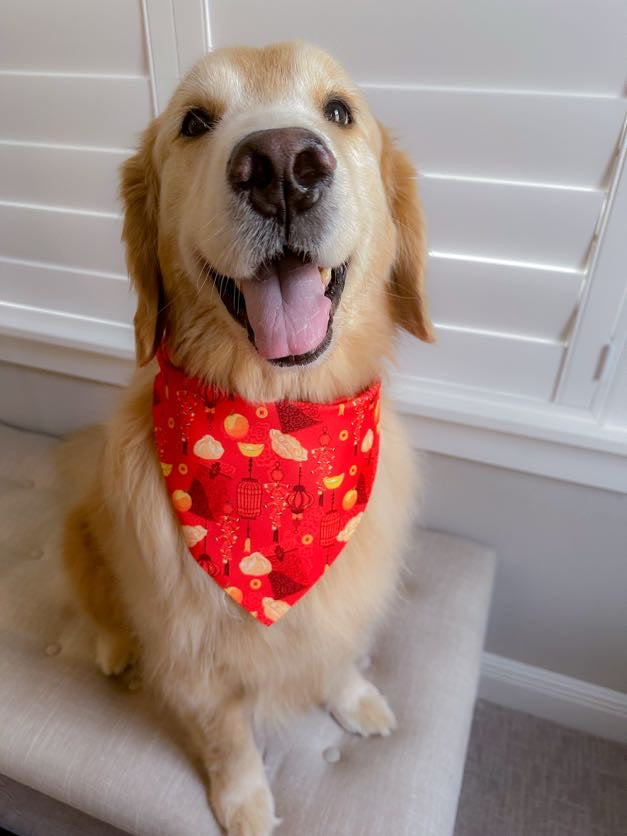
561 583
54 404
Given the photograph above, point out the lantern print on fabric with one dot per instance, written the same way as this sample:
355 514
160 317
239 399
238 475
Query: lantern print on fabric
267 494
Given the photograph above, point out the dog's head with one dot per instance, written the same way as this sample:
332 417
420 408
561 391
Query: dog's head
272 228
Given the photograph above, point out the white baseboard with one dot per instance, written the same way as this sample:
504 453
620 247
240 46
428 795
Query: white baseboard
562 699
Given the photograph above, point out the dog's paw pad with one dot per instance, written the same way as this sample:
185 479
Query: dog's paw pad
369 714
114 653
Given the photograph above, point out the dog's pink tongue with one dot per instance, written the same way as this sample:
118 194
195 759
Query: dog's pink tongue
287 308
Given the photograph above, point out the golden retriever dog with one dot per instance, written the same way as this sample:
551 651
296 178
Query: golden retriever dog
266 163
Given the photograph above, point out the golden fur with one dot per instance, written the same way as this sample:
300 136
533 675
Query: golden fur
212 663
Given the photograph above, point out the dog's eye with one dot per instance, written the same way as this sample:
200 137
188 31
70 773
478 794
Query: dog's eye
196 122
338 111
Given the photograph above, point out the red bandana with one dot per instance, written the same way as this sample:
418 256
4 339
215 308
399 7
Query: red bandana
268 494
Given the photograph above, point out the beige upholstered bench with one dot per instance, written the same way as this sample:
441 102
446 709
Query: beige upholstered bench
82 755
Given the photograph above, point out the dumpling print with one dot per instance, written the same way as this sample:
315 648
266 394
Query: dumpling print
209 448
349 529
256 565
287 446
366 444
193 534
273 609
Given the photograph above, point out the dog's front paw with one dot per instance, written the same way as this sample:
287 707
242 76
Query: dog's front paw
243 810
362 709
114 652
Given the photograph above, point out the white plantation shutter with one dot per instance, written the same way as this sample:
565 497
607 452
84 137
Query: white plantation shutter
511 111
74 92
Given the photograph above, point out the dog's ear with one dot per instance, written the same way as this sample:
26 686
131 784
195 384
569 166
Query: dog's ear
139 190
407 288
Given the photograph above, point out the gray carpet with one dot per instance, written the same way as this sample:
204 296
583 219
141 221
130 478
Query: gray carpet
529 777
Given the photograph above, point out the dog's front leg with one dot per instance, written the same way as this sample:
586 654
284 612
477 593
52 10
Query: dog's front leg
359 706
222 734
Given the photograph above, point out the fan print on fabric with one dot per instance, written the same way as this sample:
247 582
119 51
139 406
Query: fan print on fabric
267 494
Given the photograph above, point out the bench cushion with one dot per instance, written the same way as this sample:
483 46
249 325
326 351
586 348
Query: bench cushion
82 754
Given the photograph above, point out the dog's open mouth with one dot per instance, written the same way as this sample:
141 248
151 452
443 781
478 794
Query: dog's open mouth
287 307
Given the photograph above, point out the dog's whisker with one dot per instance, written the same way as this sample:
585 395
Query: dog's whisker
205 268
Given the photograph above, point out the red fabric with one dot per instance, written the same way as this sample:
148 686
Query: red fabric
268 494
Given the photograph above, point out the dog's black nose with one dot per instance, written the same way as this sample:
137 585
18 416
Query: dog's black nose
284 171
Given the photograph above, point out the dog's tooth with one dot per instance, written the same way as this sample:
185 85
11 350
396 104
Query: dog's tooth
325 275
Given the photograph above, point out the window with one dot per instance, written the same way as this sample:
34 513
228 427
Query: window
513 114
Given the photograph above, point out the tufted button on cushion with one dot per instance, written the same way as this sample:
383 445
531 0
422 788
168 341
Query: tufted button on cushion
89 756
332 754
